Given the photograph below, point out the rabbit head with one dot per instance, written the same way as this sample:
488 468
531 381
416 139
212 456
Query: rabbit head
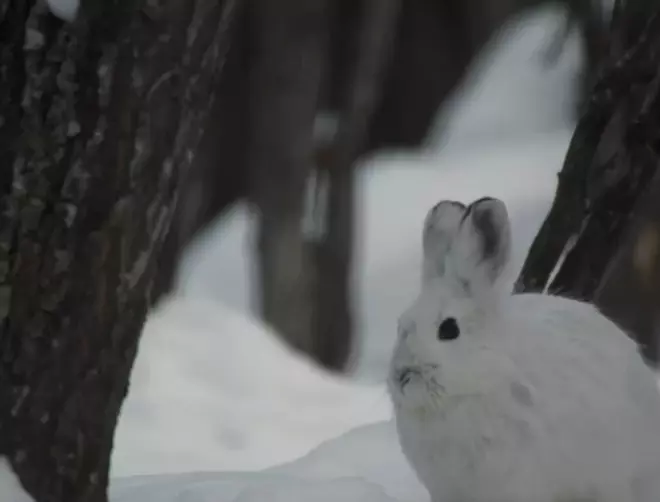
442 340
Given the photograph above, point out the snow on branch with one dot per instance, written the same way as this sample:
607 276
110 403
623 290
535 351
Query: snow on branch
66 10
11 489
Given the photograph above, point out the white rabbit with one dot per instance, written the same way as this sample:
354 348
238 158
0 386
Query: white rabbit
516 398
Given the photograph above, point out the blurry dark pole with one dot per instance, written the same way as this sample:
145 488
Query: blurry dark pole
100 120
333 310
290 45
602 221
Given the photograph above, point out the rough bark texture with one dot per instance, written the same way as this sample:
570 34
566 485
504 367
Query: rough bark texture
630 290
610 163
98 120
218 176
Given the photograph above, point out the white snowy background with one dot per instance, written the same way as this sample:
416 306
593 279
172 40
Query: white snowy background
220 411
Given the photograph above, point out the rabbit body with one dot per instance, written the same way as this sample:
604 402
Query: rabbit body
527 398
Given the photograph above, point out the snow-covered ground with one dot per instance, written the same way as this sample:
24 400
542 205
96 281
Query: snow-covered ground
213 389
215 398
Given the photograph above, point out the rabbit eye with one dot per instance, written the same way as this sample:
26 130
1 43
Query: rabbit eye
448 329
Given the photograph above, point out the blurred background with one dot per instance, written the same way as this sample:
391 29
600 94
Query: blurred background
281 314
252 176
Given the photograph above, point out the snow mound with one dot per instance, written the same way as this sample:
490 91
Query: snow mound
346 490
363 465
371 452
220 391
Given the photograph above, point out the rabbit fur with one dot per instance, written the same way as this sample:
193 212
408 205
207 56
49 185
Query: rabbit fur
502 397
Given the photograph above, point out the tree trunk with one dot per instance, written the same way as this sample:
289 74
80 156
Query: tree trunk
218 176
604 183
334 323
290 50
630 289
99 121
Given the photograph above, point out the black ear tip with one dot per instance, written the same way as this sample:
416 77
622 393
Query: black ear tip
490 218
488 204
488 207
484 199
446 214
445 203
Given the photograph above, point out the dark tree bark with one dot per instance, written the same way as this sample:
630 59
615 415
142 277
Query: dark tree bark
218 176
290 47
602 198
334 322
100 118
431 55
630 288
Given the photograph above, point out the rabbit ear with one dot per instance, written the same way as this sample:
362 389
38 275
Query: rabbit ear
440 227
482 246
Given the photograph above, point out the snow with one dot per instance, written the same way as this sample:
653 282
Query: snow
219 409
364 464
66 10
227 394
11 489
284 490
